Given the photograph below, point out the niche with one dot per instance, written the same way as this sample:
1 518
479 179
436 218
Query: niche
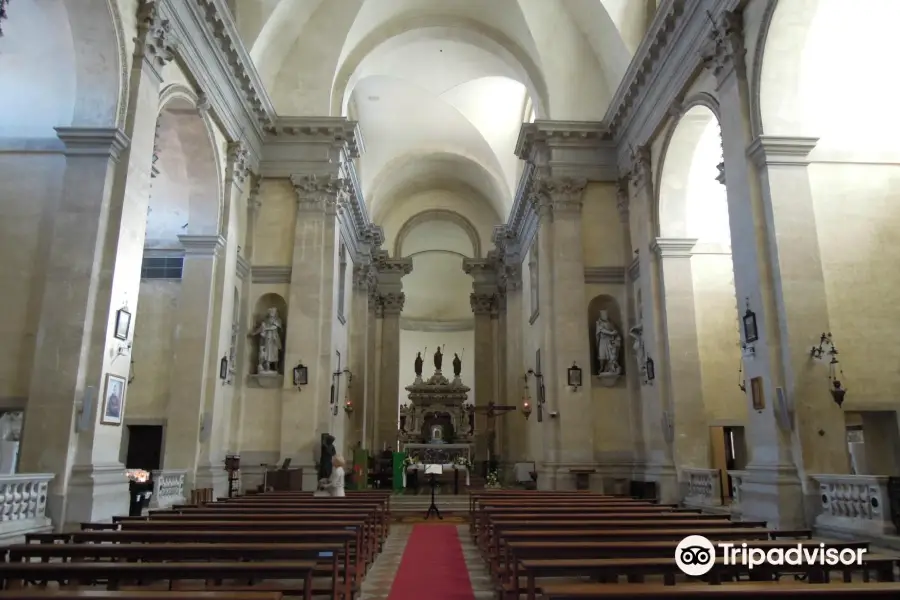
607 341
267 357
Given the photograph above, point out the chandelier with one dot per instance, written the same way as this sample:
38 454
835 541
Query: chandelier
3 4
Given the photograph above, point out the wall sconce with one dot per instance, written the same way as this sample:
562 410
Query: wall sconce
574 377
348 407
223 369
335 382
826 348
301 376
542 399
526 400
751 333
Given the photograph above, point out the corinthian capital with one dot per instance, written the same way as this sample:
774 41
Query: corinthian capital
392 303
482 304
556 196
725 51
318 192
238 161
154 42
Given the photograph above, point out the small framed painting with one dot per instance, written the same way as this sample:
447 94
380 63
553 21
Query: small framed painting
757 394
113 400
123 324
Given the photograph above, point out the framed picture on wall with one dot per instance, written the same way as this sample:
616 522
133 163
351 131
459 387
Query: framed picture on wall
113 400
123 324
757 394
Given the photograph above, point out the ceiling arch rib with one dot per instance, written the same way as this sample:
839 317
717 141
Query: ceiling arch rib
438 214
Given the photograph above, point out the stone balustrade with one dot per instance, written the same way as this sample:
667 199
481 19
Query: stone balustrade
23 504
168 488
853 505
737 481
704 487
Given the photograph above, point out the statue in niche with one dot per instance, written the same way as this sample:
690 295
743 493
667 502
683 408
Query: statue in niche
269 332
418 365
609 343
438 359
457 365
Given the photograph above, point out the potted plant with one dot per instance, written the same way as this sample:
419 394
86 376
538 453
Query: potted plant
493 480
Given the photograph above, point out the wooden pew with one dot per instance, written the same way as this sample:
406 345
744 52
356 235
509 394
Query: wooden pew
769 591
72 594
16 575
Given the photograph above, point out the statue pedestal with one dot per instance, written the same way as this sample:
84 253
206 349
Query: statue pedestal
608 379
267 381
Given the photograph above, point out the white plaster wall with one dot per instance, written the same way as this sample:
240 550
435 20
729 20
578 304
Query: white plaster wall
154 334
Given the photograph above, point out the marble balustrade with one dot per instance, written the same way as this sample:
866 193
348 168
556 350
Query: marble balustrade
703 487
168 488
23 505
853 505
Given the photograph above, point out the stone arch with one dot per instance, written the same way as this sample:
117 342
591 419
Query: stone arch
66 66
469 30
607 303
188 194
687 188
438 214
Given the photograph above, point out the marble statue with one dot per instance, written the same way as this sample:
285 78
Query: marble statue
418 365
609 343
438 359
269 332
457 365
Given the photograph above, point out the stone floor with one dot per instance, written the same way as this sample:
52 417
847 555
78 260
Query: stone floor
377 584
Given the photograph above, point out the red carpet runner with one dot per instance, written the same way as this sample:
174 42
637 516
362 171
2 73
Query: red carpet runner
432 567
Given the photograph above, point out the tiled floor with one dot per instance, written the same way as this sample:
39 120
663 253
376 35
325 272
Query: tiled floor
377 584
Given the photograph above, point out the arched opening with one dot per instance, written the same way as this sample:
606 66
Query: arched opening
696 264
185 197
820 59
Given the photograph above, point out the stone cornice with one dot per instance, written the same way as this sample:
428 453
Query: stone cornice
673 247
242 268
434 326
202 245
781 150
93 141
614 275
313 135
669 56
210 49
270 274
581 149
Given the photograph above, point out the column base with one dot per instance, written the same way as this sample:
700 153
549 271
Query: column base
774 494
96 493
212 476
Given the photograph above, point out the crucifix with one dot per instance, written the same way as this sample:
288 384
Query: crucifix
491 410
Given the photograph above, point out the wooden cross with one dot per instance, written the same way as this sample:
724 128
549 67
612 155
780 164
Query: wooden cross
492 410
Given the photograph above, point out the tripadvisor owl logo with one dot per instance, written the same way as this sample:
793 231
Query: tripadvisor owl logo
695 555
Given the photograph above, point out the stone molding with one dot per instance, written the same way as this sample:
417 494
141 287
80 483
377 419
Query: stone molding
155 43
782 151
558 196
634 269
438 214
391 303
238 165
435 326
673 247
337 132
270 274
242 268
361 276
623 199
483 303
482 270
615 275
666 61
93 141
318 193
202 245
725 53
387 267
640 167
510 278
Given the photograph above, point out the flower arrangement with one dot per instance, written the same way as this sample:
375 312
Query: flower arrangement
410 460
493 480
462 461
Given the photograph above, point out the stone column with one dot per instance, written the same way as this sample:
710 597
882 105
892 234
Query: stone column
387 414
656 413
93 270
560 198
771 490
681 361
514 425
306 412
482 305
358 343
186 421
373 361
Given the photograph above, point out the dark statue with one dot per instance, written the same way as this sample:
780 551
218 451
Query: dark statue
457 365
328 452
418 364
438 359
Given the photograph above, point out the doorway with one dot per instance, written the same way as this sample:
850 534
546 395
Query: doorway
145 443
729 453
873 442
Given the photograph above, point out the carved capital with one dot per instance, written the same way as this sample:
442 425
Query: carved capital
363 277
154 42
724 53
510 278
482 304
253 201
387 266
238 162
641 167
392 303
623 198
203 103
318 193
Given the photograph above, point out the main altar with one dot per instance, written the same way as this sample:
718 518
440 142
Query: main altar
436 425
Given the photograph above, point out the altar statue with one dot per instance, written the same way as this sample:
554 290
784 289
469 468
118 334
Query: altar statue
438 359
457 365
418 365
609 343
269 332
